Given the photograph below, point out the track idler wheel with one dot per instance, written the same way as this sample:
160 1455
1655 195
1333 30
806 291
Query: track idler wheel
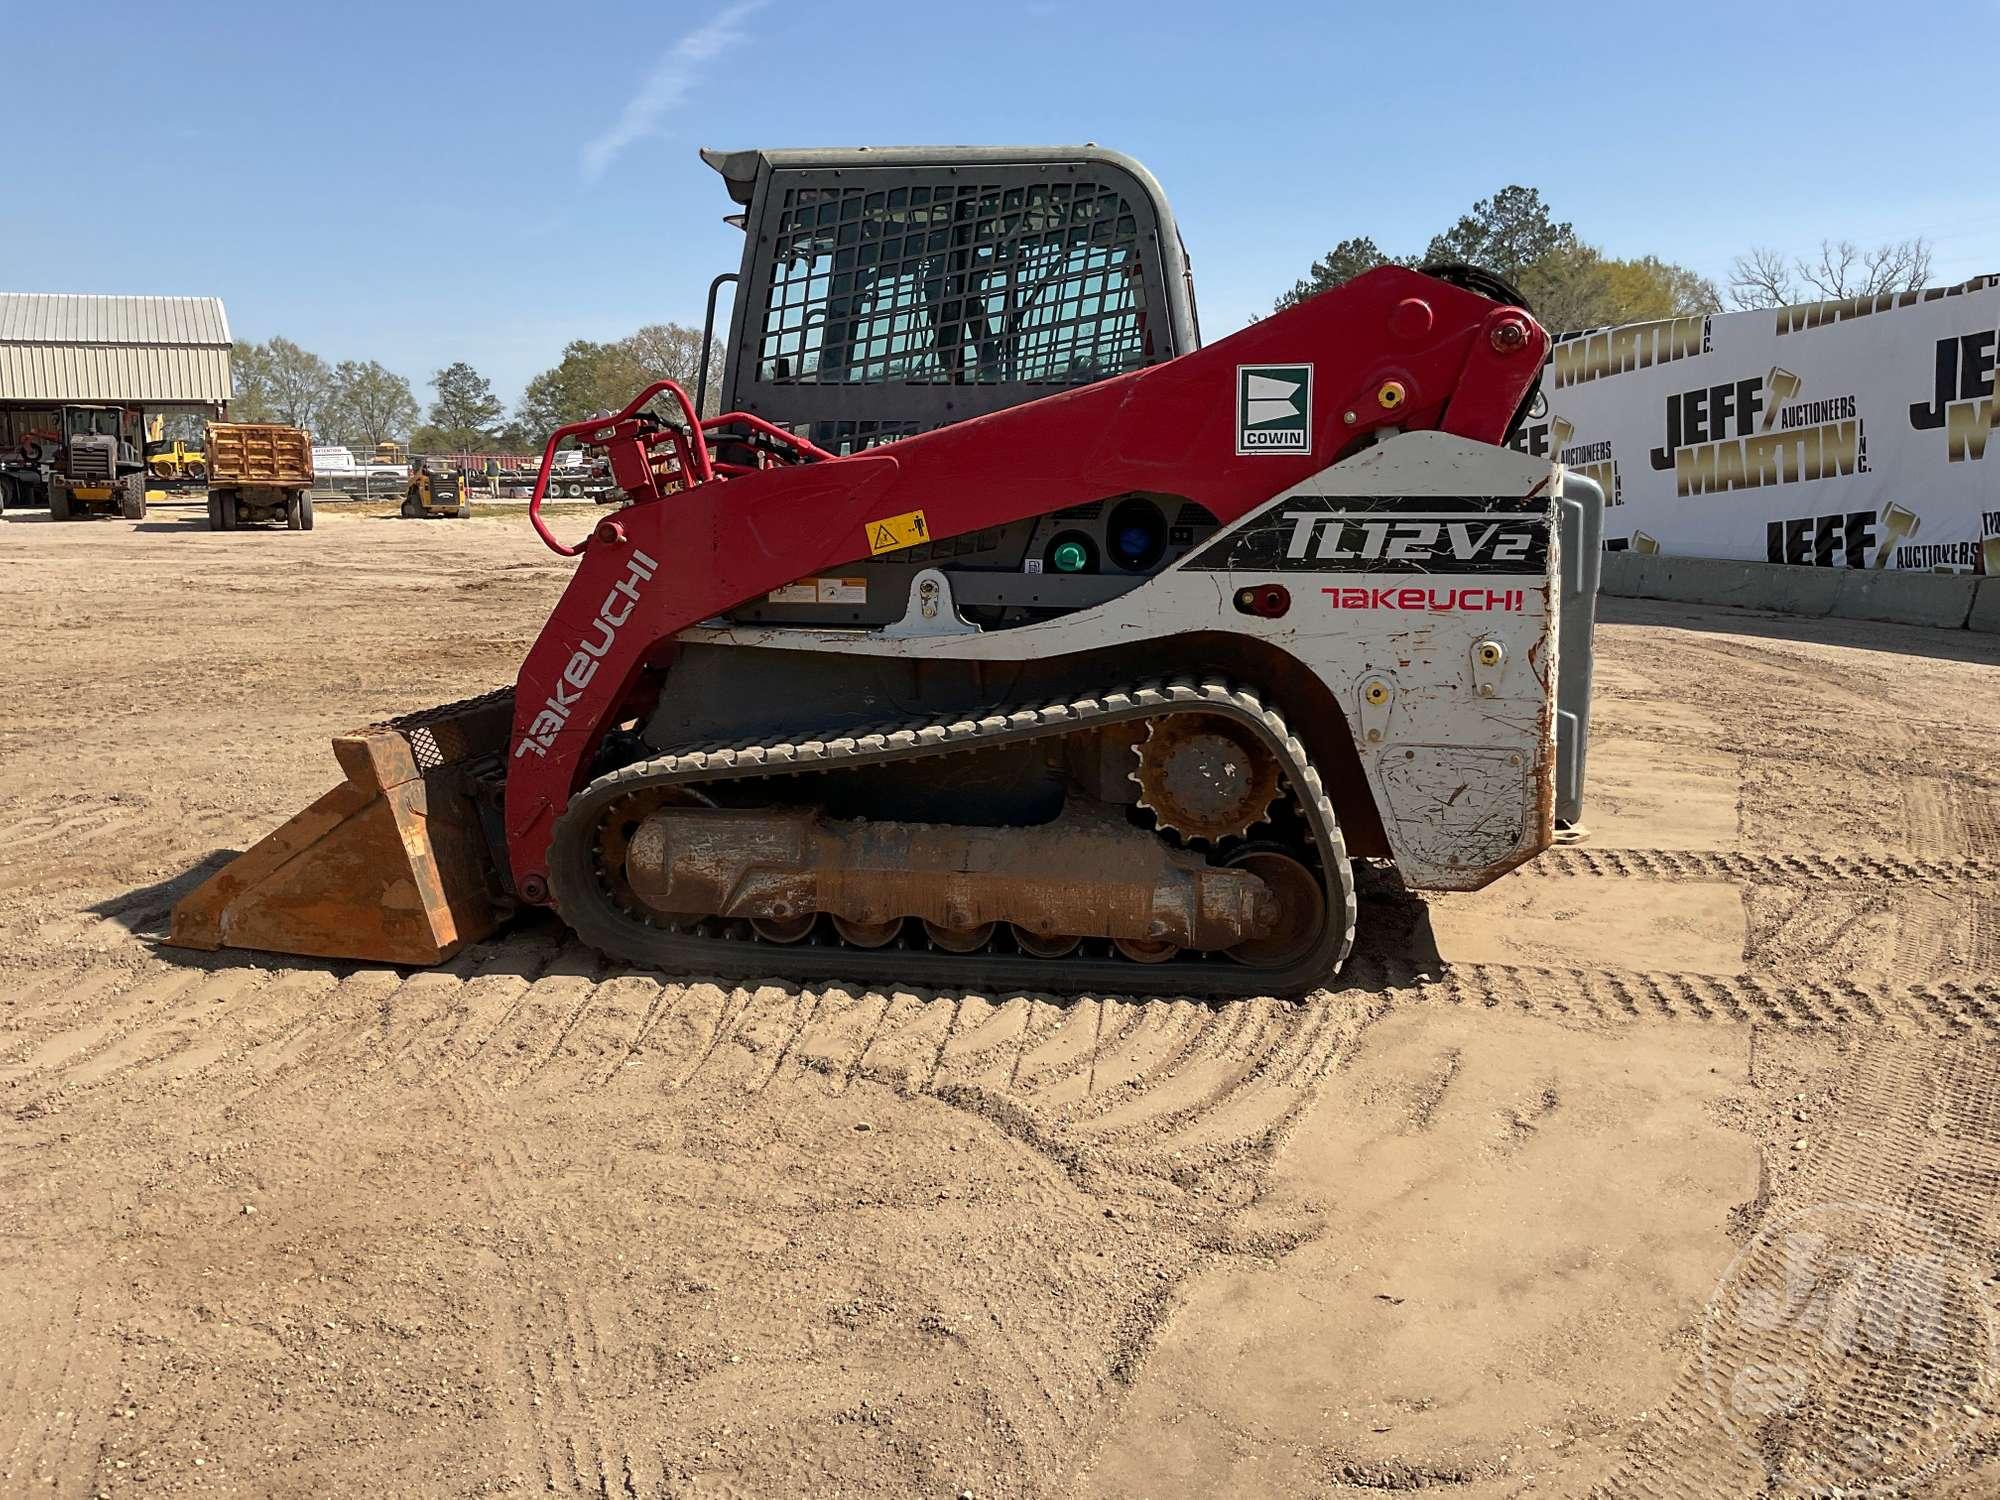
1301 907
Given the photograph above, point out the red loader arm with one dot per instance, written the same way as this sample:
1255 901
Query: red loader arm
1391 348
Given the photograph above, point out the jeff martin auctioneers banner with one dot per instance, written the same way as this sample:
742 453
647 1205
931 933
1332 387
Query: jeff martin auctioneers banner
1862 433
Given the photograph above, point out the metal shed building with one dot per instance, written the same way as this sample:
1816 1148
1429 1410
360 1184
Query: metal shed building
164 354
147 356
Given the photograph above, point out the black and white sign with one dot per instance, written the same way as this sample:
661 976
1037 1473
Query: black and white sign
1387 534
1857 433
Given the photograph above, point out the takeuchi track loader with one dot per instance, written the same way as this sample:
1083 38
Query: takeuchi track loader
1100 675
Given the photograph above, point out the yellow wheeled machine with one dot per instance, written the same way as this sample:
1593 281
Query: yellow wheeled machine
436 490
176 461
98 471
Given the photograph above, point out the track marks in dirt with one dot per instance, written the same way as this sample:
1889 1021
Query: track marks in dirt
54 1402
1765 869
1909 1162
1143 1079
1943 1008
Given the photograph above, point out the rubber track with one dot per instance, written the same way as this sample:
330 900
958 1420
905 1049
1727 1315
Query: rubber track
1765 869
577 897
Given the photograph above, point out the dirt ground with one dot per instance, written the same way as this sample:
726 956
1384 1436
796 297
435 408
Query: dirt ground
1609 1179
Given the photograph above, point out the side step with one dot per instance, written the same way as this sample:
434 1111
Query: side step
391 866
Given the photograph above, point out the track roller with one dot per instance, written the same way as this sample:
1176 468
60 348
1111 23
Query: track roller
1037 946
959 939
868 934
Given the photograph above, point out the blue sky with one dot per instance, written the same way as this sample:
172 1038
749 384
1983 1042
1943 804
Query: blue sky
424 182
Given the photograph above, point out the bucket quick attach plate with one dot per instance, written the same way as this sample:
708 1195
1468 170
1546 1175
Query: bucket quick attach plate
389 867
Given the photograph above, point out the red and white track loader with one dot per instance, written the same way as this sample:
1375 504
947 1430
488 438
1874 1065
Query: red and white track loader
1098 676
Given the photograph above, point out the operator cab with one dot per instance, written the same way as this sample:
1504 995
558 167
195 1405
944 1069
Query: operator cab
884 293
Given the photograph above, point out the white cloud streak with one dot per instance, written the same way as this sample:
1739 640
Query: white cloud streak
673 78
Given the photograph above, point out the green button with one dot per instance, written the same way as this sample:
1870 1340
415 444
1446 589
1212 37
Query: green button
1070 557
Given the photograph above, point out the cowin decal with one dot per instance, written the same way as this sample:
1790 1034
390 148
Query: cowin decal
1387 534
1274 408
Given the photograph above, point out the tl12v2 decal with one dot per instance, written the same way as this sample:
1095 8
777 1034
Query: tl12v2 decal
1387 534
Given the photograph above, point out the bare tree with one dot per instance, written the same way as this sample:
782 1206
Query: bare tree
672 351
1761 279
1841 270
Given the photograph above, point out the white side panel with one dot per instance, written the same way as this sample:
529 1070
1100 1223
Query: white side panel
1444 666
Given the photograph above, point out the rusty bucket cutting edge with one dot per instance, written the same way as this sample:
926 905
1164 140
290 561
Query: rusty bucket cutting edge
388 867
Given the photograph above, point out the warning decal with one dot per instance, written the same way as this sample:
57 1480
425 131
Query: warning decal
821 591
891 532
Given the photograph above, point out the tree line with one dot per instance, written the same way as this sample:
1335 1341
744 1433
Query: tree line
360 403
1572 285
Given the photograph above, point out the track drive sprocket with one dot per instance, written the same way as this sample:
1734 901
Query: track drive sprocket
1204 776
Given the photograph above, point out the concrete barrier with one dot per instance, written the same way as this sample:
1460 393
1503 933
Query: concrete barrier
1985 614
1936 599
1940 599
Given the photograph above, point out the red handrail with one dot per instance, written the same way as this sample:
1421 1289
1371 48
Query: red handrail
604 426
690 448
758 424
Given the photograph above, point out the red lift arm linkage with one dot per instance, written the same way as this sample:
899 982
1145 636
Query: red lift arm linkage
1390 348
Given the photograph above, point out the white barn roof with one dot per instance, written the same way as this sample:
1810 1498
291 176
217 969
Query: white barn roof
156 350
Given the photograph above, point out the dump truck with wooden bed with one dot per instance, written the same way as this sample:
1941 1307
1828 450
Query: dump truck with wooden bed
259 471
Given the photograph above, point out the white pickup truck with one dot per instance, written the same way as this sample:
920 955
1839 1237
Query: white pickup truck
345 471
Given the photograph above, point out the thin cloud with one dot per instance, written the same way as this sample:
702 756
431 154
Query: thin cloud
672 79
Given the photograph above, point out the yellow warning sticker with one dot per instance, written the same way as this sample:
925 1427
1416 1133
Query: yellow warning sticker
891 532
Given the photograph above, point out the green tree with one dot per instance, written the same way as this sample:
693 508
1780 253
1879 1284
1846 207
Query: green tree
466 409
1342 263
1505 234
589 378
281 383
1649 288
1569 284
370 404
251 383
295 385
592 377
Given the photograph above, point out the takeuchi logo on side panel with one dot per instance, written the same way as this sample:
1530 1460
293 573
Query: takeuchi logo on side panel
1274 408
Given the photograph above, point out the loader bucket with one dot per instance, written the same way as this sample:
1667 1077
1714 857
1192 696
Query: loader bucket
390 866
